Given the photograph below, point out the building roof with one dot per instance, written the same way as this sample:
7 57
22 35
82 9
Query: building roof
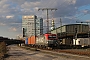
69 25
74 24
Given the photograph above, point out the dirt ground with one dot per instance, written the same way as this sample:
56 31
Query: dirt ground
17 53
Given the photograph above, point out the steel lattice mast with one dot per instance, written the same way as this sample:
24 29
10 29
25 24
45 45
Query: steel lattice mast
47 9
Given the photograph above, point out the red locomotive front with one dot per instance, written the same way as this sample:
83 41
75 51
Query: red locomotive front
50 36
51 40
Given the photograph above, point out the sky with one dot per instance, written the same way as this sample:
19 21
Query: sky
69 11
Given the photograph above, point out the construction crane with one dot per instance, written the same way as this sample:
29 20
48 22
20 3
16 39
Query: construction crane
47 9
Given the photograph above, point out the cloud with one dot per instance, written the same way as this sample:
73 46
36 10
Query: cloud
2 24
8 17
21 7
12 10
87 20
85 12
13 29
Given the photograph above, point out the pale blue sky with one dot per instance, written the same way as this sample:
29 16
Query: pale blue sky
11 11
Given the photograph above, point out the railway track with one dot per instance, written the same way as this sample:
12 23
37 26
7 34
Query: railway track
70 51
85 53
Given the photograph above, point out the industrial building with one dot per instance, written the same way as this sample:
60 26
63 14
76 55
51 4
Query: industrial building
68 32
32 25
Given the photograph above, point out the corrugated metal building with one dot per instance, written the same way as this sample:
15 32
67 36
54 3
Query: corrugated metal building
70 28
67 32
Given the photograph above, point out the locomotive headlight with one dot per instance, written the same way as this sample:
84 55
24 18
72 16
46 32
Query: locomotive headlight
47 42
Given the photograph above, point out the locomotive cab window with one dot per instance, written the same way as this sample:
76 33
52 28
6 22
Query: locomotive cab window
51 36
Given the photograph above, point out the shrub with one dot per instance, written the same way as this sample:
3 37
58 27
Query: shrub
3 48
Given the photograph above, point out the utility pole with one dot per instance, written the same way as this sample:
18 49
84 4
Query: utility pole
60 25
47 9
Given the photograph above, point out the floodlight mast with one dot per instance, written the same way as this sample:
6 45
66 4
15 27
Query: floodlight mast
47 9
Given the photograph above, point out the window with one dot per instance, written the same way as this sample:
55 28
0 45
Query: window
82 36
79 42
51 36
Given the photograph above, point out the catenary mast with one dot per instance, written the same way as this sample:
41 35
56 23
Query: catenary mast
47 9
